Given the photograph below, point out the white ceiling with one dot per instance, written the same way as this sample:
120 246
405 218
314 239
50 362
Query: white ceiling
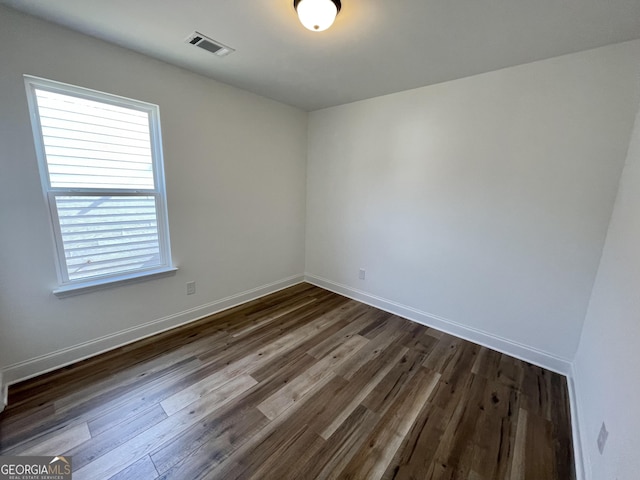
374 48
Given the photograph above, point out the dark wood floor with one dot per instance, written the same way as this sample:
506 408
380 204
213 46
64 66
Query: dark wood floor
301 384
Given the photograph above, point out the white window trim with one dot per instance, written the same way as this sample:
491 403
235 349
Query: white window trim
73 287
87 286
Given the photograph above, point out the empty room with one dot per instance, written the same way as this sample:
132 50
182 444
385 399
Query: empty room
320 239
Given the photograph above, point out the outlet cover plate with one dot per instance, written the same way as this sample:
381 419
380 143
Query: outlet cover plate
602 438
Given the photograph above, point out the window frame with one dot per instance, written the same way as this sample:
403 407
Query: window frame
66 286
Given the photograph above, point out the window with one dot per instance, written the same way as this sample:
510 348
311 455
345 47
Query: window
100 161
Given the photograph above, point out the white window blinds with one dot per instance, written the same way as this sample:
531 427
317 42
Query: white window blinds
89 144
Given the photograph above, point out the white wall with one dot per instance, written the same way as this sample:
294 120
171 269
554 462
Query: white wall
482 201
607 366
235 172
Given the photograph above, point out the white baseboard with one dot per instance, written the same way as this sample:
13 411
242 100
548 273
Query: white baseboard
523 352
583 466
54 360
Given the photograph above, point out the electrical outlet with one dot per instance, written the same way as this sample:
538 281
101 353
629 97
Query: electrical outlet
602 438
362 274
191 288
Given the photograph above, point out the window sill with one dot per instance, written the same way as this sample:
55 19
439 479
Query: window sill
101 284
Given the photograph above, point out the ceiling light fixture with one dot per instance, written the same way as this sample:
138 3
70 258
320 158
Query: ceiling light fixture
317 15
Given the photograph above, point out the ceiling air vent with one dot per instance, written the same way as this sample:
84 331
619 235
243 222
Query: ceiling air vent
206 43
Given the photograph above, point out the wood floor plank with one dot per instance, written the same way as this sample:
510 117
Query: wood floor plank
518 464
359 318
22 425
300 384
136 376
420 444
116 405
287 462
374 457
316 376
211 386
295 324
379 320
369 352
98 445
275 365
130 404
357 390
536 389
266 456
340 448
487 364
127 453
143 469
440 357
206 444
455 442
215 440
420 339
58 443
392 384
266 319
245 461
539 454
511 371
243 365
494 439
475 476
